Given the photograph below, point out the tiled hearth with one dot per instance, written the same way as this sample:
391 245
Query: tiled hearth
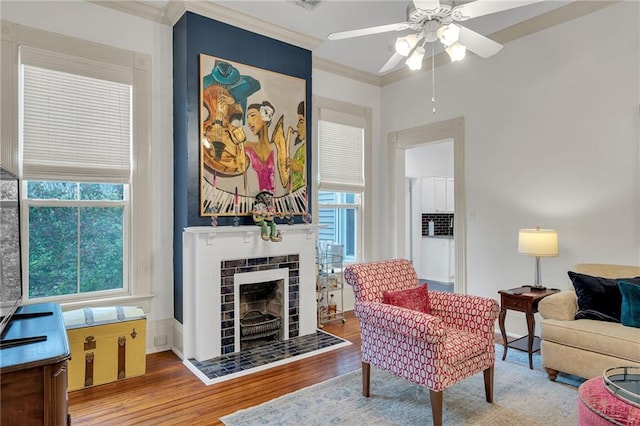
218 260
226 367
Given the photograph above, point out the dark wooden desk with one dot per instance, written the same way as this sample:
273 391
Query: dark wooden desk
33 389
522 299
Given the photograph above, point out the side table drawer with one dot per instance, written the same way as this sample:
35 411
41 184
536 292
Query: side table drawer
513 303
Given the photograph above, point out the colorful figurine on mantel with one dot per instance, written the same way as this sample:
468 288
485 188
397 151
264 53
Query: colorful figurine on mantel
263 214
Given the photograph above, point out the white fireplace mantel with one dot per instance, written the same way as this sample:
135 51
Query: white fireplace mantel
205 247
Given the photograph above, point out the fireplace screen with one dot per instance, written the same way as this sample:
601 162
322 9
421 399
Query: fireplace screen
261 312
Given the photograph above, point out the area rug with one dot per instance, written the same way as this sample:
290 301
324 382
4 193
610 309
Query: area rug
521 397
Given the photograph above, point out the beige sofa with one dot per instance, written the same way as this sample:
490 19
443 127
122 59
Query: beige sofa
585 347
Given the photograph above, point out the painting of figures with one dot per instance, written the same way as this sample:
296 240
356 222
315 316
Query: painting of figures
252 139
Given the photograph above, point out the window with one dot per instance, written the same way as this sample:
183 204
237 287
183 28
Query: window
342 149
339 211
81 141
74 127
76 238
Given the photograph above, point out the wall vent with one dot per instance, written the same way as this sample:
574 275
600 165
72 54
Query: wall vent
307 4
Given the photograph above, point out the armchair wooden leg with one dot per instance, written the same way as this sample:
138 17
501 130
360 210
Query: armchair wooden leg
366 378
436 407
488 384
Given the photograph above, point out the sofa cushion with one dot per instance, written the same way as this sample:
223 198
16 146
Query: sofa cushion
607 338
630 315
416 298
598 298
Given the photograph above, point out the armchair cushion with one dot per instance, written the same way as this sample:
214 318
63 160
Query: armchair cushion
401 321
416 298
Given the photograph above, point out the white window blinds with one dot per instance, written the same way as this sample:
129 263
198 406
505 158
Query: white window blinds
341 160
75 127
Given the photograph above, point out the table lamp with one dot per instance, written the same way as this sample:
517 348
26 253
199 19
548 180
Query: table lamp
539 243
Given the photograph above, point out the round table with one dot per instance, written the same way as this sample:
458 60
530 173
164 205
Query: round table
598 406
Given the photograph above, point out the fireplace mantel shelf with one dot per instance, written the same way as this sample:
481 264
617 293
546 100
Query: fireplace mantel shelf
250 231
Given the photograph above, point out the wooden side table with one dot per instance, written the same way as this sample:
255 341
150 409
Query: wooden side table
522 299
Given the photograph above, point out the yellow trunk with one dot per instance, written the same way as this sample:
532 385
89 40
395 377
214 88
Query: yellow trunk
107 344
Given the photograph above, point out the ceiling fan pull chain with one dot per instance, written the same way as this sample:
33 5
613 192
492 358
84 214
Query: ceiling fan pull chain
433 78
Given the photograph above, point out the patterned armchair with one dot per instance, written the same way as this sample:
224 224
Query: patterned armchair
433 350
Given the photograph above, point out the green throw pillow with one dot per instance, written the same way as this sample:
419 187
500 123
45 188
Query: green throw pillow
630 315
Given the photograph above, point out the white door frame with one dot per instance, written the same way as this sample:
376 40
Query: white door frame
409 138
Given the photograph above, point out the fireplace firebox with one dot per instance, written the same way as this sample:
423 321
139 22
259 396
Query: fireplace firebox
261 312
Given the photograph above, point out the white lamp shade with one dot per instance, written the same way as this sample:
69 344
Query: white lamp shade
415 60
538 242
405 44
456 51
449 34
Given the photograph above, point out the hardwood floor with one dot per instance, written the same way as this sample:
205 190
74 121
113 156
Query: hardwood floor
169 394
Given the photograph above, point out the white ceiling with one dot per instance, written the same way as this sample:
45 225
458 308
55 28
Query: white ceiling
367 54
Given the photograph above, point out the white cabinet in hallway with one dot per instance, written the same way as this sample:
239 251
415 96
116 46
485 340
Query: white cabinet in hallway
437 194
450 195
438 262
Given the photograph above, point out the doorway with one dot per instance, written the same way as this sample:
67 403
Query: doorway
399 143
430 212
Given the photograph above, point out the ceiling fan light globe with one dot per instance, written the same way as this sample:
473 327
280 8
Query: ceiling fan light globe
415 60
449 34
405 44
456 51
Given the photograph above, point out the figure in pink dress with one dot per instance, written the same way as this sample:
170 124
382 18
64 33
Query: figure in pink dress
261 152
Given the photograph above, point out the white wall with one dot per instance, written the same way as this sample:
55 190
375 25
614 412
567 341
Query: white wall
434 159
102 25
346 90
551 140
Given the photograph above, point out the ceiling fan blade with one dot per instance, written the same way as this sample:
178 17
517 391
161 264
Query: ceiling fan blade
391 63
486 7
477 43
368 31
426 4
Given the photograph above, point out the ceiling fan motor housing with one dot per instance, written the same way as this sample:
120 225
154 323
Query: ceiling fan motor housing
418 16
431 30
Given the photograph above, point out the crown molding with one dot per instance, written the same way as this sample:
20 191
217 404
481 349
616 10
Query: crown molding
246 22
344 71
550 19
174 10
136 8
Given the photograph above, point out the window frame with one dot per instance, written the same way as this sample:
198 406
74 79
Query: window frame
125 203
357 207
84 53
356 116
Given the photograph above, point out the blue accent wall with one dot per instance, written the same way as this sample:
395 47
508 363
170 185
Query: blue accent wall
192 35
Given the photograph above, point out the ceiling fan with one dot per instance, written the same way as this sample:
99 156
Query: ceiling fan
433 20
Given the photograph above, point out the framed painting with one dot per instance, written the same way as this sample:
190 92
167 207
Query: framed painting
252 139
